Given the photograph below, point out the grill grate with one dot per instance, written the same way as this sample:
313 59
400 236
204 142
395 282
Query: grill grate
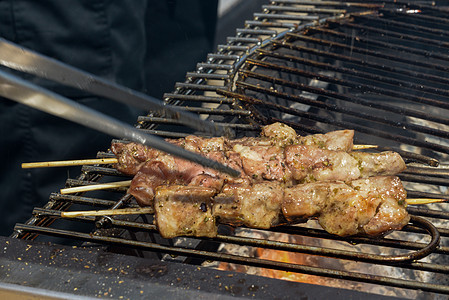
379 67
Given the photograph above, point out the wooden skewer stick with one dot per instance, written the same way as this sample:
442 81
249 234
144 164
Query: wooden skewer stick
108 212
111 185
420 201
95 187
112 160
68 163
361 147
150 210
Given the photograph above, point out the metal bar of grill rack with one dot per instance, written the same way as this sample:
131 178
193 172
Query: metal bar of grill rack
378 67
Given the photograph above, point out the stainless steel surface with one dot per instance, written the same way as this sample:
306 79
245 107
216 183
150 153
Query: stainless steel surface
24 60
27 93
78 273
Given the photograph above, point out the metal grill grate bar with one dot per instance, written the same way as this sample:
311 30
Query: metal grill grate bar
355 50
242 260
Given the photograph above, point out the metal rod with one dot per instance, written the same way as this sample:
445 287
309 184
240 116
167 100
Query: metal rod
363 62
350 71
330 3
403 36
391 92
332 273
340 96
373 53
21 59
364 129
24 92
342 109
421 249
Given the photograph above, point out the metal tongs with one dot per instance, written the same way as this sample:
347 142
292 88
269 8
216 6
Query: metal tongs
20 90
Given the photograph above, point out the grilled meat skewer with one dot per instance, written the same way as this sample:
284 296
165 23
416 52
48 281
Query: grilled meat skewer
370 206
289 166
278 155
131 156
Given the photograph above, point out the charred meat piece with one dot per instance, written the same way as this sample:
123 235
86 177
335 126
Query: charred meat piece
304 201
371 206
169 170
132 156
184 211
202 145
256 205
346 211
283 135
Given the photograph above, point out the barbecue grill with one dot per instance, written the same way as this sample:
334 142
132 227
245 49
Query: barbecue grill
378 67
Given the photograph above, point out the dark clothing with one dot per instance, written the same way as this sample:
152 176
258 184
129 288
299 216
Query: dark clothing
180 34
113 39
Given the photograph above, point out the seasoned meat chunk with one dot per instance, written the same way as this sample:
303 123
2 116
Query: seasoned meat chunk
389 216
309 163
283 135
206 180
132 156
202 145
163 170
255 205
279 132
184 211
304 201
346 211
391 213
264 162
375 164
372 206
340 140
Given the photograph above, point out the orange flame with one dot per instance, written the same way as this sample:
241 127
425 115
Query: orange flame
280 256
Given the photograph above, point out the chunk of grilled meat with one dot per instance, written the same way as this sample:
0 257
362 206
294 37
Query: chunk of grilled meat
132 156
391 212
184 211
283 135
290 166
263 162
371 206
340 140
309 163
256 205
170 170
